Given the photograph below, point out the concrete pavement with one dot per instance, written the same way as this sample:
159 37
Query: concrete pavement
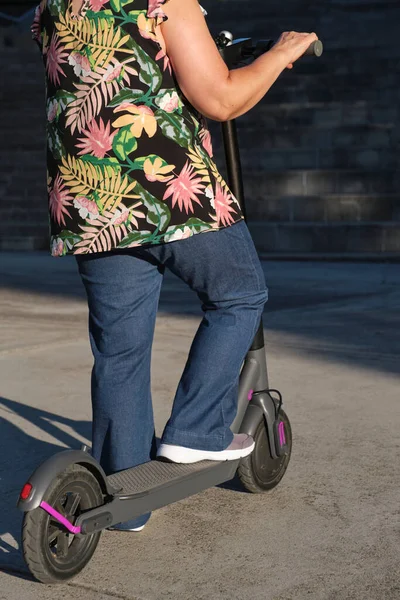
330 531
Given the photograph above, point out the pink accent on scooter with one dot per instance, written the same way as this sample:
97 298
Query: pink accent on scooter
250 395
282 437
54 513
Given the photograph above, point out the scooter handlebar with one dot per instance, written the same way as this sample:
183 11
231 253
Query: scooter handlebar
315 49
235 51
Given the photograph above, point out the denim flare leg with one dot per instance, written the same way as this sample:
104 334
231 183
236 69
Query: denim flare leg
123 289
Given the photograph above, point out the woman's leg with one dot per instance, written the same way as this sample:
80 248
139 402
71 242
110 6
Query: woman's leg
224 269
123 293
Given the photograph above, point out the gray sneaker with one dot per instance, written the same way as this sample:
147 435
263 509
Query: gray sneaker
241 445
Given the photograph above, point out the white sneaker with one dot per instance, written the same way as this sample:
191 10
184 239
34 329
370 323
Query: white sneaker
242 445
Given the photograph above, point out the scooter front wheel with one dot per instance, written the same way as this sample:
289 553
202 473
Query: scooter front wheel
259 472
52 553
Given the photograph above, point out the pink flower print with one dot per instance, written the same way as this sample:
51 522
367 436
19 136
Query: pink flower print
222 205
55 57
81 64
52 110
154 8
184 188
98 139
163 50
169 102
167 63
57 247
87 208
59 199
97 5
113 73
205 137
35 27
124 215
121 215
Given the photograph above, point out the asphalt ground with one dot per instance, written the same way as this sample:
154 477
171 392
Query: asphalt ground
330 530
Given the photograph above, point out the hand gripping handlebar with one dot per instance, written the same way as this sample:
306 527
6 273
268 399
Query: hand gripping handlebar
236 51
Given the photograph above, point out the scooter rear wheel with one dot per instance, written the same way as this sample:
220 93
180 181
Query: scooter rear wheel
259 472
54 555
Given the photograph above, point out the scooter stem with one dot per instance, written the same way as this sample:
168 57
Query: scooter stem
235 182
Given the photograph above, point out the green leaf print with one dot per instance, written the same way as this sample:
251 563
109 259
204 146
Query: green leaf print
64 98
174 127
116 5
150 73
69 238
124 142
126 95
135 236
133 16
140 160
196 125
56 7
96 16
197 225
110 165
55 144
158 213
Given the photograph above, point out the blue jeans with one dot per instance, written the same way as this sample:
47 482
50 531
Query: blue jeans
123 289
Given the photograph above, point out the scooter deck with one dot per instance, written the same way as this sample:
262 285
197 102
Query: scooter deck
151 486
154 475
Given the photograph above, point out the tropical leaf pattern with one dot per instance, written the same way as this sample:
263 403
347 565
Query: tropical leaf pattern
130 161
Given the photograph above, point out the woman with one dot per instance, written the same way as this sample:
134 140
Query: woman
132 188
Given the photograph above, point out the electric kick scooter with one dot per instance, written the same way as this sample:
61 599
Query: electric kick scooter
69 499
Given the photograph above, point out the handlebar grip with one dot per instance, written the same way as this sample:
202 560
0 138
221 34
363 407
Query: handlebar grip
315 49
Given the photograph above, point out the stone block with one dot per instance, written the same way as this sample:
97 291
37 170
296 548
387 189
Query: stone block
284 183
365 239
272 160
353 157
269 208
365 182
391 238
361 208
308 208
317 183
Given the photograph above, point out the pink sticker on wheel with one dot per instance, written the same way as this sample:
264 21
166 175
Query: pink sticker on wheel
282 437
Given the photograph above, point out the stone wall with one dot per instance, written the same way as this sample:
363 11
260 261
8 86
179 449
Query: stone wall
320 153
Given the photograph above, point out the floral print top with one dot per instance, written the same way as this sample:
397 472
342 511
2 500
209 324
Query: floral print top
130 161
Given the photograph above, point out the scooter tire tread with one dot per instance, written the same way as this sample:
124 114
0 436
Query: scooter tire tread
246 471
31 542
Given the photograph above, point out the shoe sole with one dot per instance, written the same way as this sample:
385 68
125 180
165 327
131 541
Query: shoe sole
136 529
179 454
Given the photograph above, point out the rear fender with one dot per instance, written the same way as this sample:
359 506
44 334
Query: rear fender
52 467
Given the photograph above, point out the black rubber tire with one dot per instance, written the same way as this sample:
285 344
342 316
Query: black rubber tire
258 472
81 489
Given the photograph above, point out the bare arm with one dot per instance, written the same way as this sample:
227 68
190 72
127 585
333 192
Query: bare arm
202 75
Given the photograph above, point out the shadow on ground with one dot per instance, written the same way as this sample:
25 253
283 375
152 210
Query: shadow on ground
346 312
26 453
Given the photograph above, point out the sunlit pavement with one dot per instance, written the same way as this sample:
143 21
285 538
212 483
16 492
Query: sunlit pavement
331 529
